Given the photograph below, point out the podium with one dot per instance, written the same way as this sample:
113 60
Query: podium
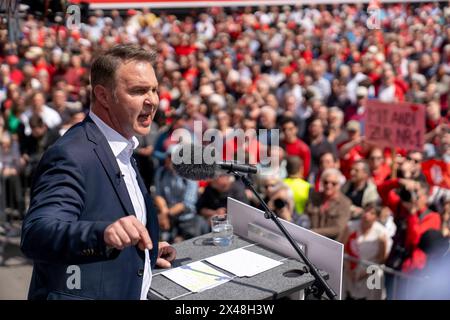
288 279
257 234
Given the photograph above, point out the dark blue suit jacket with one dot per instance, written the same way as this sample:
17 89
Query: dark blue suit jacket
77 192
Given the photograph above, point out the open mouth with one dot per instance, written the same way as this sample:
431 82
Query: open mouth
145 119
144 116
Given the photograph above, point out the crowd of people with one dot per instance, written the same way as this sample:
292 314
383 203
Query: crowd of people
303 70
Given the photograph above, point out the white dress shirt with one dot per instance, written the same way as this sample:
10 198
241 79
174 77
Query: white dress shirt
50 117
122 149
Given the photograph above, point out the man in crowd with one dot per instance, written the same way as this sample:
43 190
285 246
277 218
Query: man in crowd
360 189
175 199
294 146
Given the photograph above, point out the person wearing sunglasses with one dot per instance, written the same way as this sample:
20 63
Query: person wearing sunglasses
329 210
415 159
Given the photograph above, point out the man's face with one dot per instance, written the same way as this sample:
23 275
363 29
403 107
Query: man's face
222 183
267 120
330 185
316 128
135 99
290 131
422 198
59 98
191 107
376 159
369 216
269 186
419 201
353 134
415 158
248 124
38 131
357 173
38 100
327 161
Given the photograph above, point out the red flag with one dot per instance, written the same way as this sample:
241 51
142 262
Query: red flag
437 173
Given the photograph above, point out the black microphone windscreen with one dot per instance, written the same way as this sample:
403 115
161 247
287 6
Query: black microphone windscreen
192 167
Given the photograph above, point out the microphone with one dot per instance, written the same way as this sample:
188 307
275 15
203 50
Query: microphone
200 170
237 167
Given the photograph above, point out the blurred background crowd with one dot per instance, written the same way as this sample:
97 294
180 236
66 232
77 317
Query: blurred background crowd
304 70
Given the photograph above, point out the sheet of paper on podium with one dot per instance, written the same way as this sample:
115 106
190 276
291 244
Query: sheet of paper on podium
243 263
196 276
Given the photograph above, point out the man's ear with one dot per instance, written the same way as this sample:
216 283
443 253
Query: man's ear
101 95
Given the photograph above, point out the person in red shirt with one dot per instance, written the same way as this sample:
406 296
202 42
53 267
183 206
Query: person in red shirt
353 149
413 219
73 75
185 47
379 168
15 74
294 146
435 123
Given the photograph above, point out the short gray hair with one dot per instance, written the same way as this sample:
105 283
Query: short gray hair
338 112
334 172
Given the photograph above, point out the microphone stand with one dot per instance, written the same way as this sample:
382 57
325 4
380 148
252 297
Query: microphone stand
320 285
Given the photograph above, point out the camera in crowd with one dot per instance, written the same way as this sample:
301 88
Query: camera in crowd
279 203
407 195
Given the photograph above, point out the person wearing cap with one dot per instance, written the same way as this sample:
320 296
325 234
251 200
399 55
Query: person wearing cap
353 149
358 110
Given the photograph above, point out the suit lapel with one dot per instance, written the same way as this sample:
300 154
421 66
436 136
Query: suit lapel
109 163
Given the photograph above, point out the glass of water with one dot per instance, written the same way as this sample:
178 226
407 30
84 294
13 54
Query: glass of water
222 230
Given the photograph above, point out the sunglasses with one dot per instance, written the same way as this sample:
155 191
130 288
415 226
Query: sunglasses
416 161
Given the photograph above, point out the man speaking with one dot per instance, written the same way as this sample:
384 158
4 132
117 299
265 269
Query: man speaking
91 229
